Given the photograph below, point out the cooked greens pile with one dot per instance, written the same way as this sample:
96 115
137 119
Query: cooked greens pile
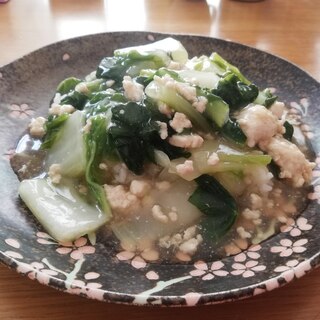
108 124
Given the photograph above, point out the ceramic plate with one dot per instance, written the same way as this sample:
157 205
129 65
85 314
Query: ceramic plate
101 272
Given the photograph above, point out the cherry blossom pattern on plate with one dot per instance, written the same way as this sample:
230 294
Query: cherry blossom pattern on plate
66 57
293 268
152 275
207 272
22 111
295 228
138 258
13 243
251 253
91 290
36 270
288 247
248 269
76 249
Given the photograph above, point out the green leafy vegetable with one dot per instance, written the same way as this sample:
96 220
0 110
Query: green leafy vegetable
68 149
68 85
289 130
228 67
52 128
234 92
75 98
266 98
96 141
213 200
232 132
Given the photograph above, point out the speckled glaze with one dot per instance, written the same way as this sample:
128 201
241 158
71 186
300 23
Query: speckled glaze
101 272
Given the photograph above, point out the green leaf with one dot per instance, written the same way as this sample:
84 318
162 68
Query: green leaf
53 126
96 141
232 132
67 85
216 203
289 130
234 92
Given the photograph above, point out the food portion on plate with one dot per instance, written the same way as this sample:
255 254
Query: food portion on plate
177 156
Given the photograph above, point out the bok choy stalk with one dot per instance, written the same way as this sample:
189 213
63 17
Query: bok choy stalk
160 92
96 143
60 209
218 206
68 149
230 160
139 233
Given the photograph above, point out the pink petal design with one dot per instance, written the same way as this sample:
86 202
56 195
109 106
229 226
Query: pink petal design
64 250
208 276
201 265
37 265
49 272
286 228
248 274
197 272
94 285
238 266
66 244
292 263
14 107
241 257
23 268
192 298
220 273
80 242
253 255
277 249
91 275
43 235
78 283
44 241
286 242
299 249
259 268
138 263
24 107
281 269
43 278
125 255
286 253
217 265
251 263
32 275
295 232
303 222
302 268
258 291
237 272
76 255
15 114
14 255
300 242
255 248
66 57
288 275
271 284
152 275
13 243
87 249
